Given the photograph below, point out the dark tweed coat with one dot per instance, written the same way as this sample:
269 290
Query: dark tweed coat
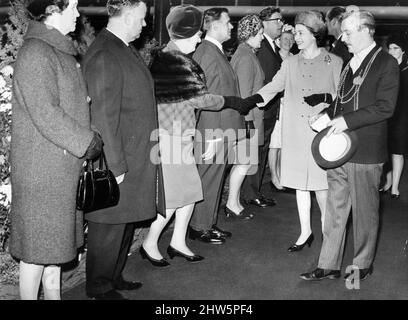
50 133
124 111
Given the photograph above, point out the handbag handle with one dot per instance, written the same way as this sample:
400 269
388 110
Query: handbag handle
89 166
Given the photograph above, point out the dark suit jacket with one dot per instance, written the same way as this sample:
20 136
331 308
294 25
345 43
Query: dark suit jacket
222 80
340 49
124 110
376 103
271 63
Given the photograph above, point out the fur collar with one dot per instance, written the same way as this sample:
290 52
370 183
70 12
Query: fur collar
177 77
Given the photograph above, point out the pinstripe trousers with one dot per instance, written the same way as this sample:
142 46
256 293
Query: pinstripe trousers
351 187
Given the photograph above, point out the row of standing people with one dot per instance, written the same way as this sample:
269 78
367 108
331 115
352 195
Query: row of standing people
112 70
54 130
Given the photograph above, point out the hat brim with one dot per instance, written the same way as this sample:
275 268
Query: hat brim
333 151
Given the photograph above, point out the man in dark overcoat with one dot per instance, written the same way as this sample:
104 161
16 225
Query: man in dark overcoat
123 109
270 61
365 99
222 80
333 23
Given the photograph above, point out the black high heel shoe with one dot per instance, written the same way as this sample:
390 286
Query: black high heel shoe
395 196
243 215
297 247
175 253
157 263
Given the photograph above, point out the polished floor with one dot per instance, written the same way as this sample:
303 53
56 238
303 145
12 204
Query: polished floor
255 264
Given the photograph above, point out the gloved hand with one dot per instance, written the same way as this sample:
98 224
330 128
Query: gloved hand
95 147
248 126
317 98
243 106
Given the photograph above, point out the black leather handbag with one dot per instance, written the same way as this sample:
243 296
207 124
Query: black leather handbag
97 188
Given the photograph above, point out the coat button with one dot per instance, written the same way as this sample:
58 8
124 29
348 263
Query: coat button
78 65
88 99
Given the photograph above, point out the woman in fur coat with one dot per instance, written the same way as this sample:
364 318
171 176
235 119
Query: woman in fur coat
180 91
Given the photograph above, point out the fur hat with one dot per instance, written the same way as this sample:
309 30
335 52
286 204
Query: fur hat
184 21
311 19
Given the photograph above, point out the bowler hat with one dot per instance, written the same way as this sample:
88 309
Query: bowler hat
335 150
184 21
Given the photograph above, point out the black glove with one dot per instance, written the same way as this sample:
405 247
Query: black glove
248 126
317 98
95 147
254 99
243 106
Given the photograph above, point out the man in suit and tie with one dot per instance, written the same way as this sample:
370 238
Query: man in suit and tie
270 60
124 111
366 98
333 23
221 80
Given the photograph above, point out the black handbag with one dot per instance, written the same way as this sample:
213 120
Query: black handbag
97 188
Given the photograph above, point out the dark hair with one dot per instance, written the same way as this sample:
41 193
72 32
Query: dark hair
211 15
335 13
115 7
39 10
268 12
399 39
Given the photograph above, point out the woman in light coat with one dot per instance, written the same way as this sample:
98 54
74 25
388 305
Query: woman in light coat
313 73
250 79
50 134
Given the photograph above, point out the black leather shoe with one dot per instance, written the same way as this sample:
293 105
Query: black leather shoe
242 215
297 247
220 232
176 253
262 202
205 236
320 274
110 295
127 285
157 263
395 196
363 274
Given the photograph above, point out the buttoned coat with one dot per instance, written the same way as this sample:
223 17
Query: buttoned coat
50 135
301 77
376 98
221 80
124 111
250 79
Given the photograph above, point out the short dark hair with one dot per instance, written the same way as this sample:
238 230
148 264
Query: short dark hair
39 10
268 12
211 15
335 13
115 7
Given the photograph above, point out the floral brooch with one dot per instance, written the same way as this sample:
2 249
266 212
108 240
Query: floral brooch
327 59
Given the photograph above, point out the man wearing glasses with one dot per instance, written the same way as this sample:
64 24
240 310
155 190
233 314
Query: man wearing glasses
270 60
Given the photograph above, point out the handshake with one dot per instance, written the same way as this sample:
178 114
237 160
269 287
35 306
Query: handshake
243 106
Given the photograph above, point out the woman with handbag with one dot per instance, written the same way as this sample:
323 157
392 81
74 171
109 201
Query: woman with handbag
180 91
51 133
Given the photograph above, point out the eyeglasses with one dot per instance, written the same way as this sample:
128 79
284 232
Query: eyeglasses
276 19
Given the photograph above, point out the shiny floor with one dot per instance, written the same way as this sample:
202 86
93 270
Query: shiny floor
255 264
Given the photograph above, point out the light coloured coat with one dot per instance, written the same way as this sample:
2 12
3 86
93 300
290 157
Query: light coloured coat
301 77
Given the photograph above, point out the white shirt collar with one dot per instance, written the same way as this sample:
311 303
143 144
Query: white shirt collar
116 35
214 41
359 57
271 42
